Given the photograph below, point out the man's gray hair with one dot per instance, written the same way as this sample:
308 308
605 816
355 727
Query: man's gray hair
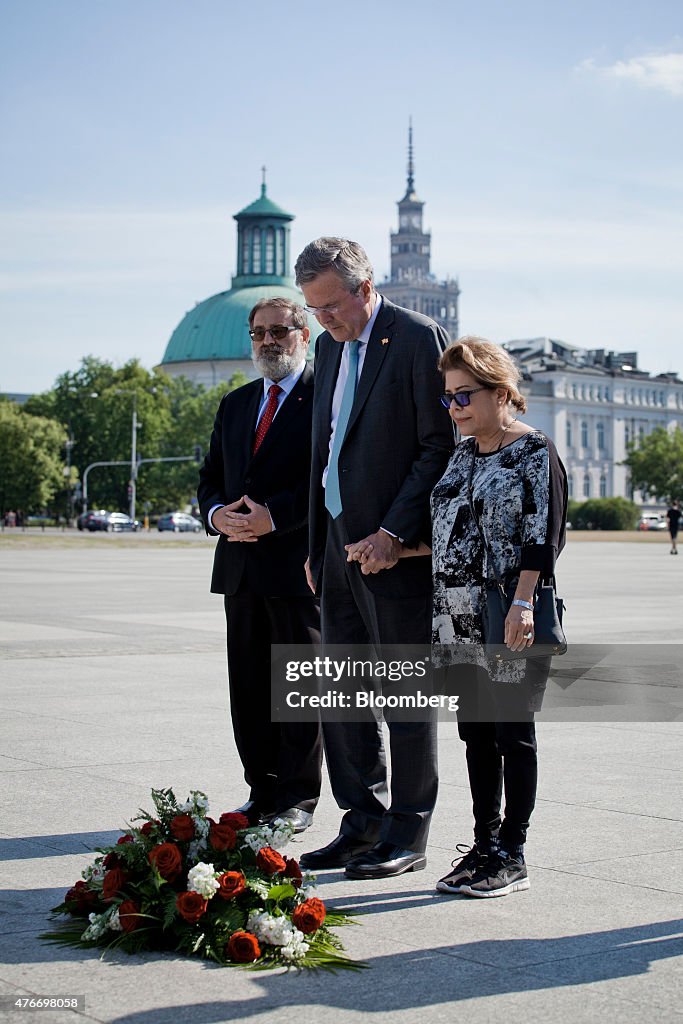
348 259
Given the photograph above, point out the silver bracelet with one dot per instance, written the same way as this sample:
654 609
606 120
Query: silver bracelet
523 604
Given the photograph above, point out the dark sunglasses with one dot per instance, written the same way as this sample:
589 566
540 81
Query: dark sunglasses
461 398
277 333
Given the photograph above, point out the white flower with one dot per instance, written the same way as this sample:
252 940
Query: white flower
196 850
97 926
278 931
196 804
276 837
94 872
114 922
202 879
296 947
201 826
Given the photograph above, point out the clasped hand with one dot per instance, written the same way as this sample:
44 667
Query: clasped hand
376 552
243 526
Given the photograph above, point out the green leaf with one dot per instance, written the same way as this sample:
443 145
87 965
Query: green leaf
280 892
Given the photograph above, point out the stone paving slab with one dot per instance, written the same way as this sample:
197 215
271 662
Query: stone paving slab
87 730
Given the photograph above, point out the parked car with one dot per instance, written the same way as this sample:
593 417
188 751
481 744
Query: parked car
97 520
115 522
652 521
83 521
179 522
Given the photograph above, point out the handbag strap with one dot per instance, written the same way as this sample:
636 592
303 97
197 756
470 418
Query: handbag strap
487 548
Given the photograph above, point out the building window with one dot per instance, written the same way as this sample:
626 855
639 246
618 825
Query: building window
584 434
607 394
270 251
282 241
600 433
586 486
256 252
246 245
569 434
603 486
627 435
570 485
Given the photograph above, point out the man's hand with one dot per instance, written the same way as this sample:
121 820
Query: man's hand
309 578
243 526
376 552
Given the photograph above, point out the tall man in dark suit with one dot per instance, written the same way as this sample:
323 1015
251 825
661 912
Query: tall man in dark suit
380 443
253 491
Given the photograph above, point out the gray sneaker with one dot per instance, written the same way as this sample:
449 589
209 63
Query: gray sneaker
465 869
500 875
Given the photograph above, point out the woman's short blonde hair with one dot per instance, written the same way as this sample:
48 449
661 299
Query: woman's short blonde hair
488 363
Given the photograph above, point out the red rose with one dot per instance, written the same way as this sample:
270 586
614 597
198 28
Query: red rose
243 948
167 860
293 872
270 861
232 883
125 838
146 829
222 837
191 906
111 861
235 820
309 915
182 827
128 915
114 881
84 898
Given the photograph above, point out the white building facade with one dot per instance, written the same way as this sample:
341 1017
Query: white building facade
592 403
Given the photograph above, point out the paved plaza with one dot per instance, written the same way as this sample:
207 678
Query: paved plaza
114 682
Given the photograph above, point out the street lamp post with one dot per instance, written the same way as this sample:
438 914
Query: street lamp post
133 457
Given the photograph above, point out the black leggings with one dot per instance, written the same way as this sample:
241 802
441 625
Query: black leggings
501 758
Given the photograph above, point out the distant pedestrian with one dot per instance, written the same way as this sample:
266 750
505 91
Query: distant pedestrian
674 515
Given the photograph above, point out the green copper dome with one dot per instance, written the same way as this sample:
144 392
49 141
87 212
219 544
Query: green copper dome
218 328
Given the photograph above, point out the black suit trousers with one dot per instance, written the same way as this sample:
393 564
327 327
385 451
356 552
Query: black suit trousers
282 760
353 614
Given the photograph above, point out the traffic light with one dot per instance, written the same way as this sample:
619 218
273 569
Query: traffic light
198 455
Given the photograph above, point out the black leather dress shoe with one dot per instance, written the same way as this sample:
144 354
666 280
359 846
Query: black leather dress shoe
297 818
254 813
385 860
336 854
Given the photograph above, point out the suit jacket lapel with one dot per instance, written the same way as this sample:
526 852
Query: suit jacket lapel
326 373
378 346
298 397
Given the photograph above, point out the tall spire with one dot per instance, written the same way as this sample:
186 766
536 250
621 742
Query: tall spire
263 180
411 178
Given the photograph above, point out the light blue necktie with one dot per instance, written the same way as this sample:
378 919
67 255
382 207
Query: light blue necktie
333 502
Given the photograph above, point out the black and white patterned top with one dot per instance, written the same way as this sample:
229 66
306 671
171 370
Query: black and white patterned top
520 498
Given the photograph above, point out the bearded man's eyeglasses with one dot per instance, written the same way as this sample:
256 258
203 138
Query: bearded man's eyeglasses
277 333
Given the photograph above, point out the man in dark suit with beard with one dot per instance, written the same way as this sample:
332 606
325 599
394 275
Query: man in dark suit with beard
253 491
381 440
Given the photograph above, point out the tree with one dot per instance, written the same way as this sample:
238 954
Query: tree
31 459
95 404
656 464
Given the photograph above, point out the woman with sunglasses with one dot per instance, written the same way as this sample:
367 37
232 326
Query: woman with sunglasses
503 498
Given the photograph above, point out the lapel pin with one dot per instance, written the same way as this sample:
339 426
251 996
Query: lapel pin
384 341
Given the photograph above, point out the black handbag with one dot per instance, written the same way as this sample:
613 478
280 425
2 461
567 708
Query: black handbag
549 638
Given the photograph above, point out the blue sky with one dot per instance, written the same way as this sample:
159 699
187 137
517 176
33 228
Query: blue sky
548 150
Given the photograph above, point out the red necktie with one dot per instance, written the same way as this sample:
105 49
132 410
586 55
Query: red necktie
267 418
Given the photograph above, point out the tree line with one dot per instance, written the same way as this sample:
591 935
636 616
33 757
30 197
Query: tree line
47 443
